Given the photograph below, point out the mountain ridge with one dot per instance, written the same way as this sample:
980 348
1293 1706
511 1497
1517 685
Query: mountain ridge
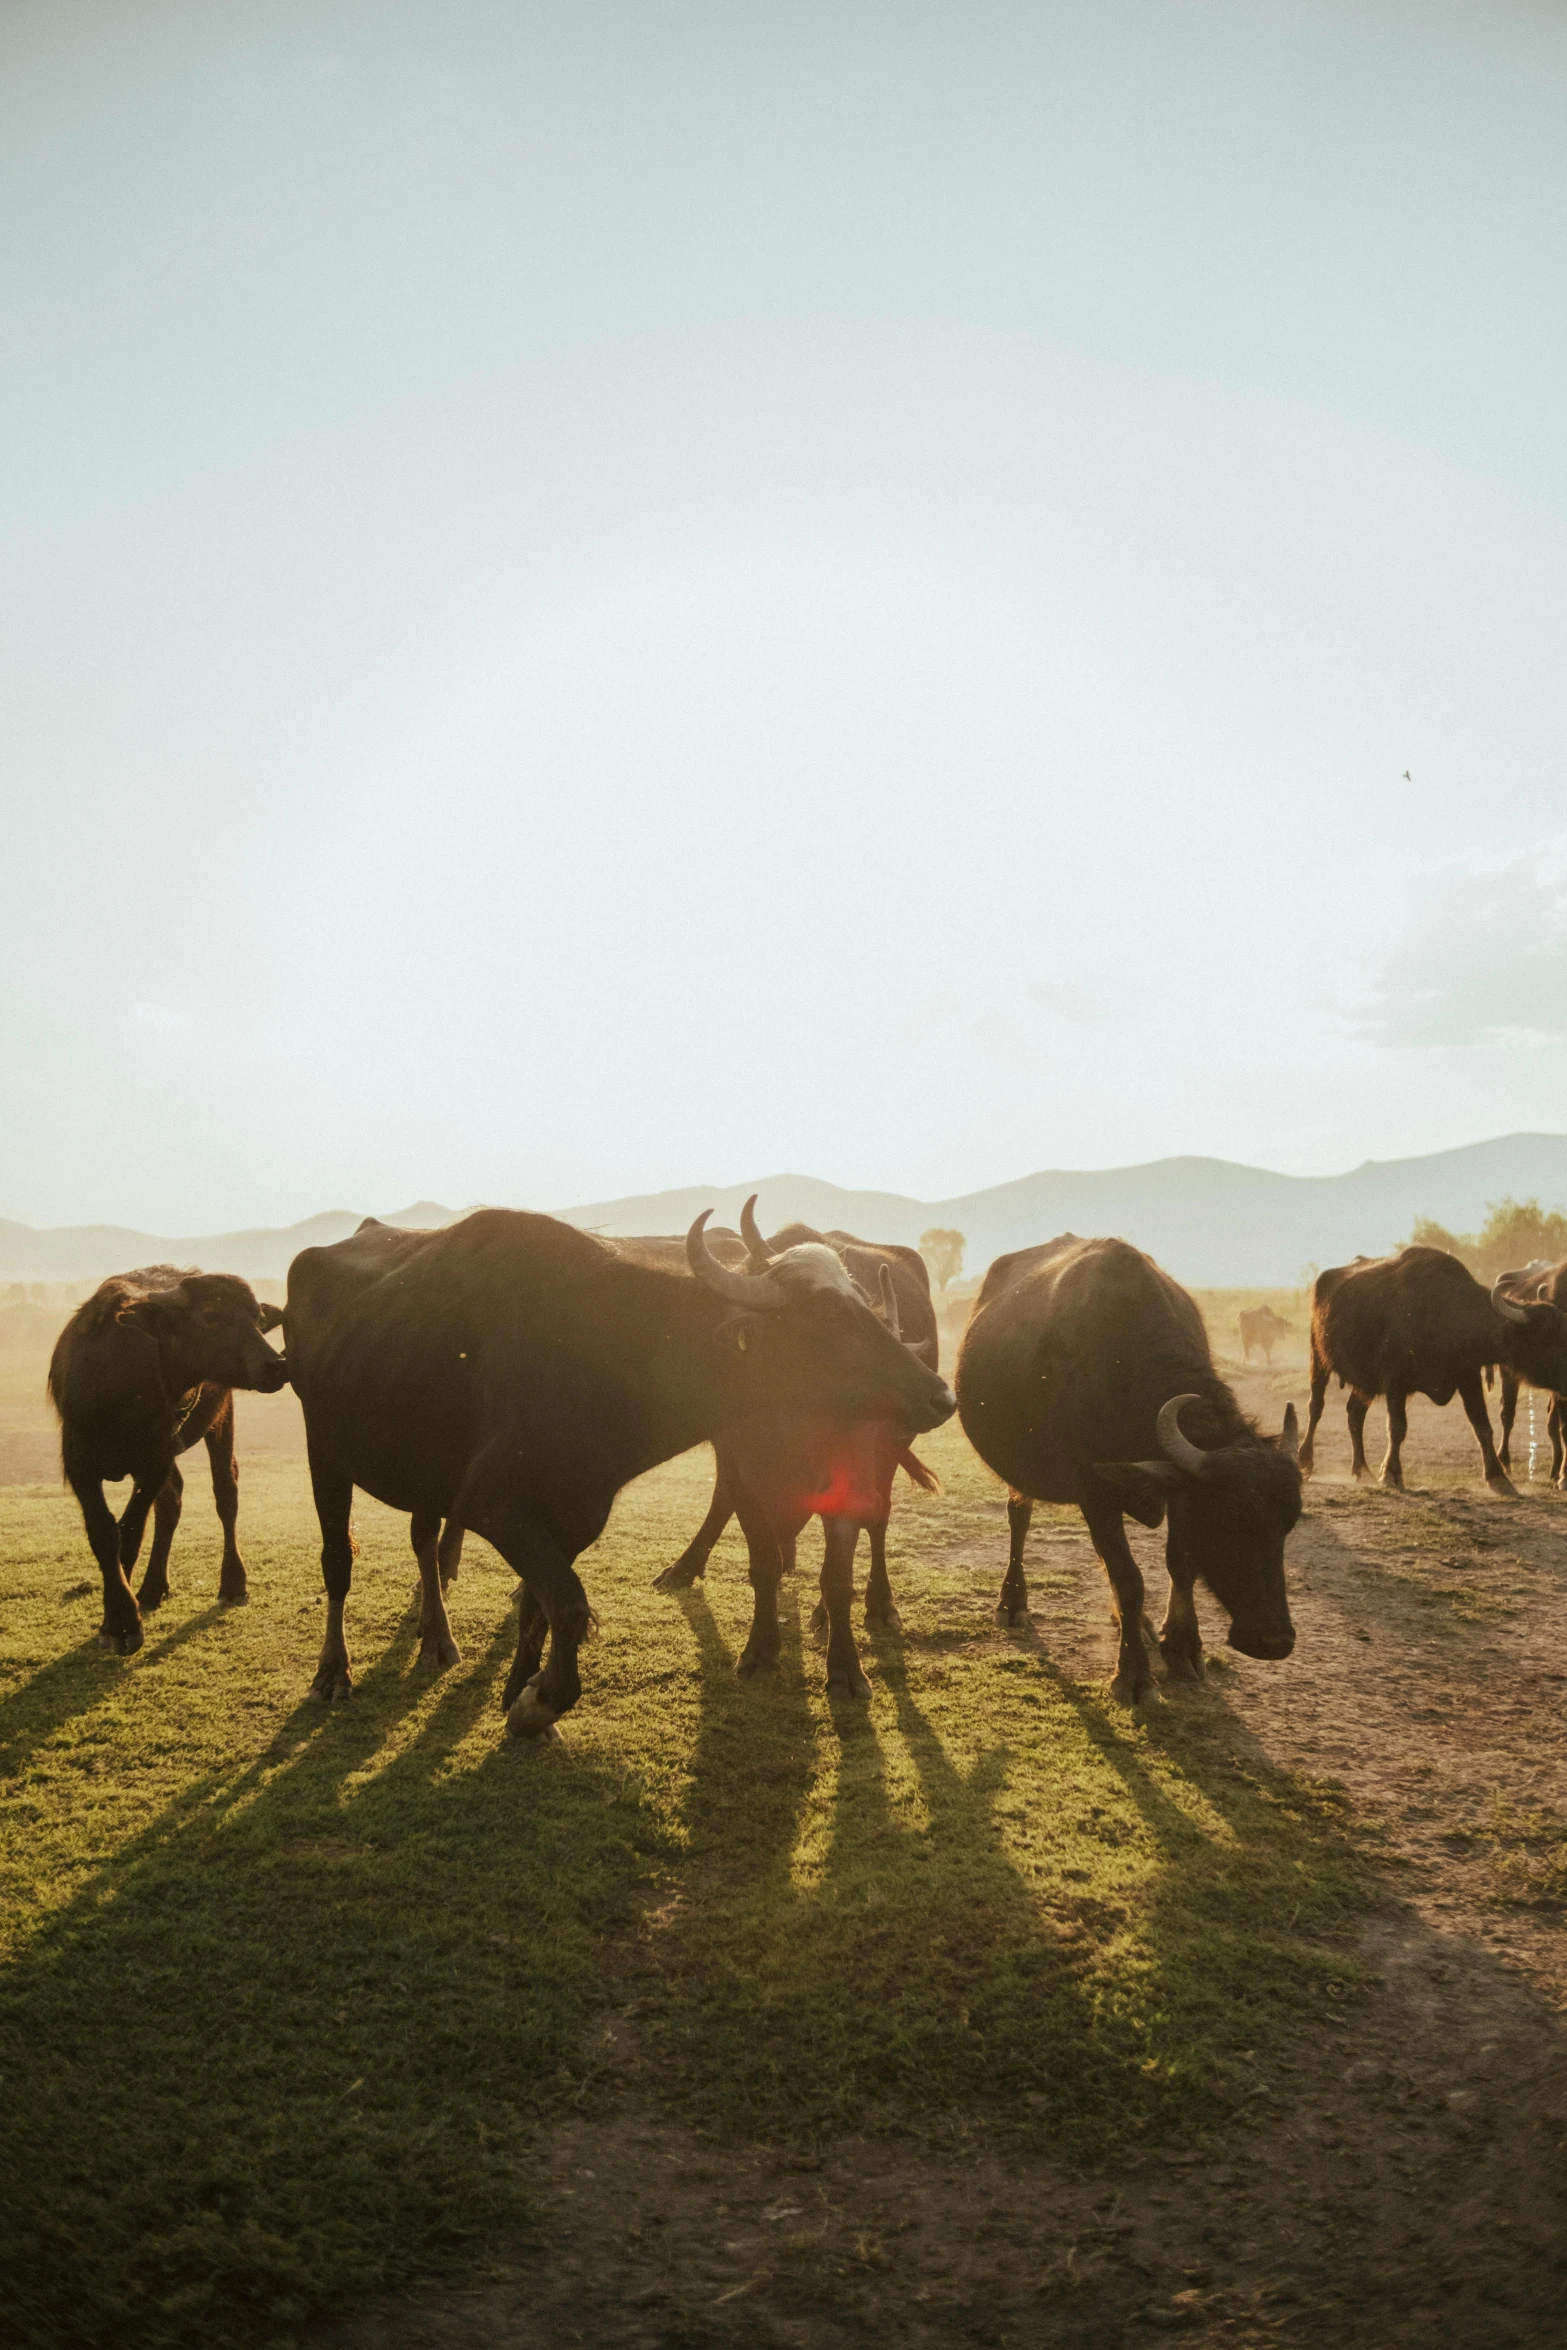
1212 1222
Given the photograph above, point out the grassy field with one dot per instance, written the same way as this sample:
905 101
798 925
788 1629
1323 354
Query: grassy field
287 1992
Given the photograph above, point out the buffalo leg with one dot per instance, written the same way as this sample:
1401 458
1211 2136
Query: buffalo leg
1012 1606
1180 1635
1507 1414
691 1565
1397 1430
232 1588
1320 1375
845 1677
334 1496
1558 1448
532 1632
436 1645
1472 1396
1133 1673
165 1518
121 1616
1355 1413
764 1568
880 1606
534 1704
449 1554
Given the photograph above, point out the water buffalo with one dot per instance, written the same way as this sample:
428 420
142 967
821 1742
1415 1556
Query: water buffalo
776 1474
1419 1323
1536 1283
511 1373
141 1371
1085 1376
1262 1328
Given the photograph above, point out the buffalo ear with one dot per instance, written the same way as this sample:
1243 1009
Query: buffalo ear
1141 1487
158 1314
1289 1435
269 1318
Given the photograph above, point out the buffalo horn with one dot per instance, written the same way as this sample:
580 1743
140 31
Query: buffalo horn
754 1242
1508 1307
1188 1457
752 1290
1289 1435
889 1301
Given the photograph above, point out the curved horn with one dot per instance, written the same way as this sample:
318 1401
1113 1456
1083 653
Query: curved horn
751 1290
1289 1435
1508 1307
754 1242
889 1300
1188 1457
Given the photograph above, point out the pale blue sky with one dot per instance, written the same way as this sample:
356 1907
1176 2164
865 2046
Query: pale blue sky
602 597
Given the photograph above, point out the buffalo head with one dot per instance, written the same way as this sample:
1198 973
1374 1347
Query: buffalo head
208 1328
1230 1507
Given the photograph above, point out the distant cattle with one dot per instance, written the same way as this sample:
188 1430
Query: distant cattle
1085 1376
1549 1283
142 1371
1261 1328
511 1373
776 1474
1419 1323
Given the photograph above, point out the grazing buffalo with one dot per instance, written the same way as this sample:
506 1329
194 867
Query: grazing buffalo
1085 1376
1262 1328
1419 1323
142 1370
511 1373
778 1473
1547 1283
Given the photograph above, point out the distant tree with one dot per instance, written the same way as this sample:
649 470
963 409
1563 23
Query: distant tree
942 1250
1515 1232
16 1295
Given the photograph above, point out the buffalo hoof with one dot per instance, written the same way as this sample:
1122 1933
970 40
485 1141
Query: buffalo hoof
1011 1619
529 1719
849 1684
1127 1690
747 1664
333 1685
123 1642
883 1619
1179 1666
148 1600
677 1578
1503 1485
439 1653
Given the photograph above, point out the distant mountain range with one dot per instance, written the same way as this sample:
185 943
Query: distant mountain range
1213 1223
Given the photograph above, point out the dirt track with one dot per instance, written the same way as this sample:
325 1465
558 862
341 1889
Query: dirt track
1403 2181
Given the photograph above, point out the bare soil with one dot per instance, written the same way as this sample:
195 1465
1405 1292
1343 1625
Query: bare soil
1402 2181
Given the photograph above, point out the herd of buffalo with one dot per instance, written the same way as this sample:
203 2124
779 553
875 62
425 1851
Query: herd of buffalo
510 1374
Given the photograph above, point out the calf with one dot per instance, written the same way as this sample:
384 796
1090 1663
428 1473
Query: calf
1419 1323
1085 1376
142 1370
1262 1328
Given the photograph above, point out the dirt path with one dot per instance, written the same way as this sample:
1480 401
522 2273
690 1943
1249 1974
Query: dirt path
1403 2179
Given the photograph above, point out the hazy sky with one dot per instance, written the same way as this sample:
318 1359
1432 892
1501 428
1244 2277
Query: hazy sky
595 597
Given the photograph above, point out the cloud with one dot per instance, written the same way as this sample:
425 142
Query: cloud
1484 958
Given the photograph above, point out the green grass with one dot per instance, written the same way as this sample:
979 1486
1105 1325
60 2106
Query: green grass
286 1991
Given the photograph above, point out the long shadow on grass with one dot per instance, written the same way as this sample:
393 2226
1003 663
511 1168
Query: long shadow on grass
39 1707
285 2048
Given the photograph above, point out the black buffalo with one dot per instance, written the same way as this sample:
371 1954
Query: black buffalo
1085 1376
510 1374
777 1473
141 1371
1537 1282
1419 1323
